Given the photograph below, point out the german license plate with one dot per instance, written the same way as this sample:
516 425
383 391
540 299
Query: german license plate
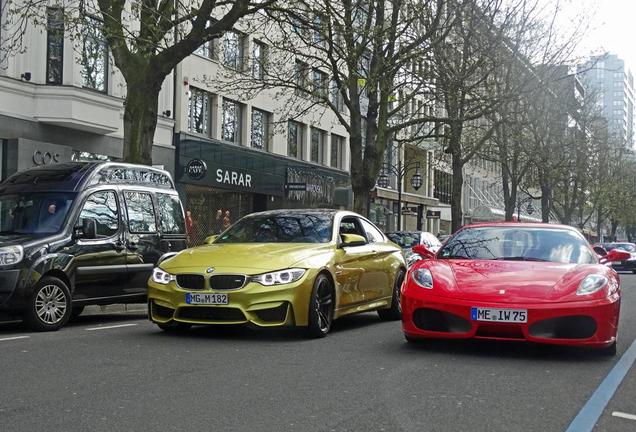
499 315
206 299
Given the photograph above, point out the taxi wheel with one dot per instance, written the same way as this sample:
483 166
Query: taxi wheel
173 326
50 305
395 311
321 306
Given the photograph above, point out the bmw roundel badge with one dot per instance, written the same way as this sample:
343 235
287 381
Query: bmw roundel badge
210 270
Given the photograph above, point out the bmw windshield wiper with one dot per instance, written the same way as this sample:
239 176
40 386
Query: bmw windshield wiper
520 258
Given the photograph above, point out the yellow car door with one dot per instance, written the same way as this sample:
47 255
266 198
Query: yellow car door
352 264
378 283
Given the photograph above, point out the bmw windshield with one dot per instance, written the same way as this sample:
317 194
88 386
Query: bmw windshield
291 228
518 244
34 213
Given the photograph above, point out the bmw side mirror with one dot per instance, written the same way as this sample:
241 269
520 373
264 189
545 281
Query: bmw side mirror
210 239
349 240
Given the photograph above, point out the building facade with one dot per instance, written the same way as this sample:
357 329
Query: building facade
609 76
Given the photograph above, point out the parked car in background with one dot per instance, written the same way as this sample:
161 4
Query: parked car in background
625 265
81 233
407 239
535 282
300 268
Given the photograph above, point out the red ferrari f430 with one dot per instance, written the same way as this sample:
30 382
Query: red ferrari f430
513 281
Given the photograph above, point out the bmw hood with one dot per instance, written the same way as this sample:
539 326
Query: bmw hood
509 281
249 258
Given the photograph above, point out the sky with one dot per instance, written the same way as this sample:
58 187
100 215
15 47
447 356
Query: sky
612 26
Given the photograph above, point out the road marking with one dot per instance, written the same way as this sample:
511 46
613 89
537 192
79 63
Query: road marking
110 327
14 338
586 419
624 415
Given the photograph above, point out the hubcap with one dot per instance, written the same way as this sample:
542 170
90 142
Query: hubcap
50 304
323 305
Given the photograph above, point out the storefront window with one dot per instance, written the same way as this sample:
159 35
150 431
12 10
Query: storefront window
199 111
210 210
260 133
231 121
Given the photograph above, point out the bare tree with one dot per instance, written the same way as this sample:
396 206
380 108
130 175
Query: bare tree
146 38
365 62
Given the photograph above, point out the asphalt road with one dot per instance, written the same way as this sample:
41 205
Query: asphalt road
117 372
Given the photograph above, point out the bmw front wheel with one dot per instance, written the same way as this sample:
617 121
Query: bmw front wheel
321 307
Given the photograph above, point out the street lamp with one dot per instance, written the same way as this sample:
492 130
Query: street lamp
529 209
400 170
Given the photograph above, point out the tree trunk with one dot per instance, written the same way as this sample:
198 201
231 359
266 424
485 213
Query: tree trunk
614 224
361 198
457 214
140 121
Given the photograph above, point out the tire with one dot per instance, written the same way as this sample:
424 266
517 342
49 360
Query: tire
609 351
394 313
321 307
411 339
49 307
76 311
173 326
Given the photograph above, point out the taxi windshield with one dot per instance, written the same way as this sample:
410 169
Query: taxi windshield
34 213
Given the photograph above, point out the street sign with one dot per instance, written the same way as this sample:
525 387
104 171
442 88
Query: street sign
296 186
433 214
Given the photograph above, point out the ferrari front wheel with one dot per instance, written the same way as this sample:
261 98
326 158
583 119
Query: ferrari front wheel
394 312
321 307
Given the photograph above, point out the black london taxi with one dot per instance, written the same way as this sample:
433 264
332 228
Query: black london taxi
81 233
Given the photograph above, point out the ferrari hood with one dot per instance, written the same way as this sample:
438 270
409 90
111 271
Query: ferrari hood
245 257
508 281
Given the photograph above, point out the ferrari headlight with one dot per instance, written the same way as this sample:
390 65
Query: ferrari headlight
161 277
423 277
280 277
591 284
11 255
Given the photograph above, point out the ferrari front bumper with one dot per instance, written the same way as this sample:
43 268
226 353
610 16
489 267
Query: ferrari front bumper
584 323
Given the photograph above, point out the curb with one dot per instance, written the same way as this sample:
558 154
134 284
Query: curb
116 308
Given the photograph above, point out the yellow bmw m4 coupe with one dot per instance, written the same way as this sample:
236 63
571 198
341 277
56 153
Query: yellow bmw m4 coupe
300 268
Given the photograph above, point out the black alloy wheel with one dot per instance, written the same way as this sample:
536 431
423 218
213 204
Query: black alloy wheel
50 305
321 307
394 312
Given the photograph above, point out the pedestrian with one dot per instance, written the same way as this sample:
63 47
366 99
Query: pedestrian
218 223
226 220
189 223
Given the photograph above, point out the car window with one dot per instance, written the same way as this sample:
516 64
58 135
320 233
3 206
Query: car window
373 234
292 228
170 214
348 225
102 208
141 212
430 240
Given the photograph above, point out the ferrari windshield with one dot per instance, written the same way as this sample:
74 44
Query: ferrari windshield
279 228
34 213
519 244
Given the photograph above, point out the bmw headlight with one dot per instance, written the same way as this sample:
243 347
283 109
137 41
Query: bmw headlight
591 284
280 277
10 255
423 277
161 277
